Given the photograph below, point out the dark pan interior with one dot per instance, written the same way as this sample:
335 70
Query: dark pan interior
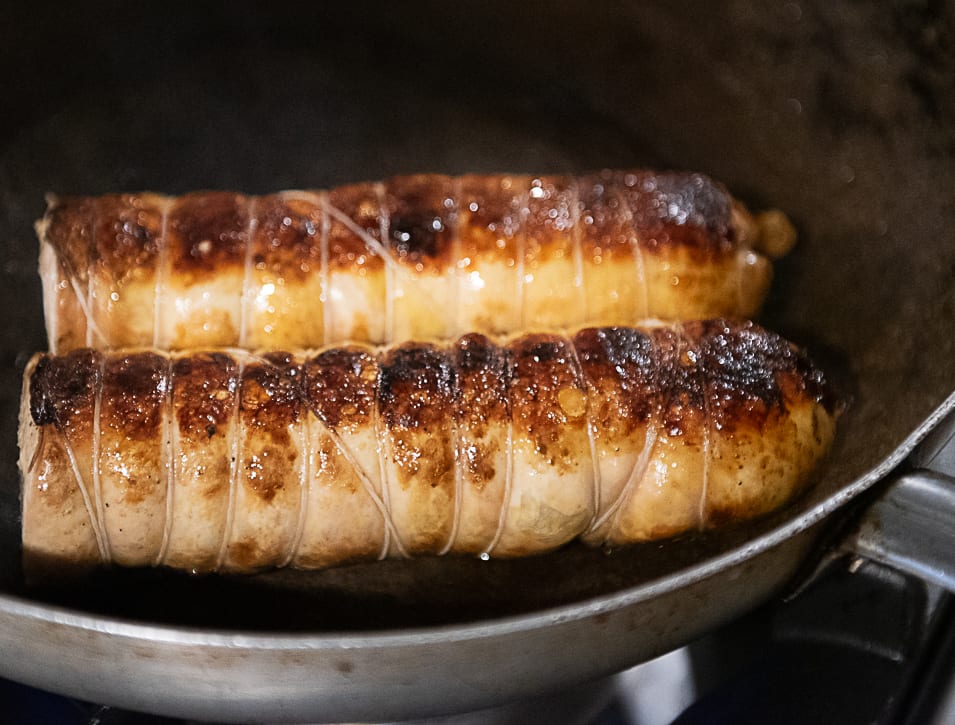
844 117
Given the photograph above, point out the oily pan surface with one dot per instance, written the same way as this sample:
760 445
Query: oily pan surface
841 118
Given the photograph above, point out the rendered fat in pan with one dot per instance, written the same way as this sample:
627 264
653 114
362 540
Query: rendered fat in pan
236 461
416 257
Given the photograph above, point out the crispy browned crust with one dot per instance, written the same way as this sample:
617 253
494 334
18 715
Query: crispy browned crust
207 232
339 386
287 237
442 416
658 236
424 216
357 209
735 373
128 232
204 396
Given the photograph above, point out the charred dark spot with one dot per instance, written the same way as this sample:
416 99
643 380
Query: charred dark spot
63 387
128 232
207 231
134 392
138 233
816 384
618 347
340 385
203 394
681 382
417 234
281 360
415 386
482 375
287 238
42 408
475 352
745 366
620 366
541 367
420 209
540 348
270 396
744 360
677 209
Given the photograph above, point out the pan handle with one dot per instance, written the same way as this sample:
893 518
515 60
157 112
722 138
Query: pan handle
911 525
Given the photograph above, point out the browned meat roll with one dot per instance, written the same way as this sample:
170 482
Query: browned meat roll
416 257
236 461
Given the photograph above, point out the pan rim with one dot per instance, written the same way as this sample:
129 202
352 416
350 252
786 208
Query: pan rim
176 635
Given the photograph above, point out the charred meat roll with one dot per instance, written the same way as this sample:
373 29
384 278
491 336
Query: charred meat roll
415 257
239 461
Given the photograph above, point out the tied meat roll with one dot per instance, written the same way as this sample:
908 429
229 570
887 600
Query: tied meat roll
415 257
228 460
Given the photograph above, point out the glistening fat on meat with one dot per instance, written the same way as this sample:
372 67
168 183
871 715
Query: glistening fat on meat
240 461
414 257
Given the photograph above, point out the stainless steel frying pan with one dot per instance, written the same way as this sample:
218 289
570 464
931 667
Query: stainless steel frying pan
843 117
